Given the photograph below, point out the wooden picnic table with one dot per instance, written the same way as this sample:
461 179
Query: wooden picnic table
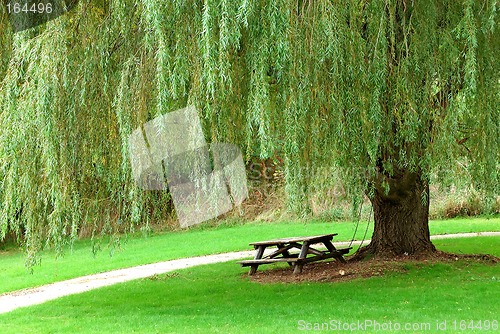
298 260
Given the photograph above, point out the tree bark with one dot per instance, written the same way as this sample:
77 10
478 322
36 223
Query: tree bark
401 216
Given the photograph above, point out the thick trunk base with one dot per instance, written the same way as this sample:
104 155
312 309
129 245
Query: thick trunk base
401 219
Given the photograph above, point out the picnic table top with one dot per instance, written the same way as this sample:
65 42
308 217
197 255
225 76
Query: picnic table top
314 238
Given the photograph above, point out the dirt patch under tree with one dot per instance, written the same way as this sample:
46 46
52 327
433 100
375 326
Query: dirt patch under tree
334 271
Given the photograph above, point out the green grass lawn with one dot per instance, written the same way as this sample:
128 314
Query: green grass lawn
137 250
220 298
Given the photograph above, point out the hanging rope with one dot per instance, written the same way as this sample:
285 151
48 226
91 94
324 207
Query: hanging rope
366 230
357 224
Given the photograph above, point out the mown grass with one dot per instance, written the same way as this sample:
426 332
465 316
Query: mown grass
220 298
201 240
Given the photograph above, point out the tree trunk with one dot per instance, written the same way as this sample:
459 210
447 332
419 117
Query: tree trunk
401 217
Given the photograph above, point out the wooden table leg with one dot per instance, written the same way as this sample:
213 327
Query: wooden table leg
303 254
285 253
332 249
258 256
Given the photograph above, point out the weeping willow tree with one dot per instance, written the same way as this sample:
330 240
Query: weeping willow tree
387 92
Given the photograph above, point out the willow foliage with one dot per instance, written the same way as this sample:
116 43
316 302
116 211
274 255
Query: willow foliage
411 84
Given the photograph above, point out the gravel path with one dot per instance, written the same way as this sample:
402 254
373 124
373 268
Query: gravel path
27 297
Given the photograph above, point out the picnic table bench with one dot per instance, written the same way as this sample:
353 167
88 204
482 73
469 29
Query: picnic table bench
298 260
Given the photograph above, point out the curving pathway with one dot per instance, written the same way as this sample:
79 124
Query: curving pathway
27 297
